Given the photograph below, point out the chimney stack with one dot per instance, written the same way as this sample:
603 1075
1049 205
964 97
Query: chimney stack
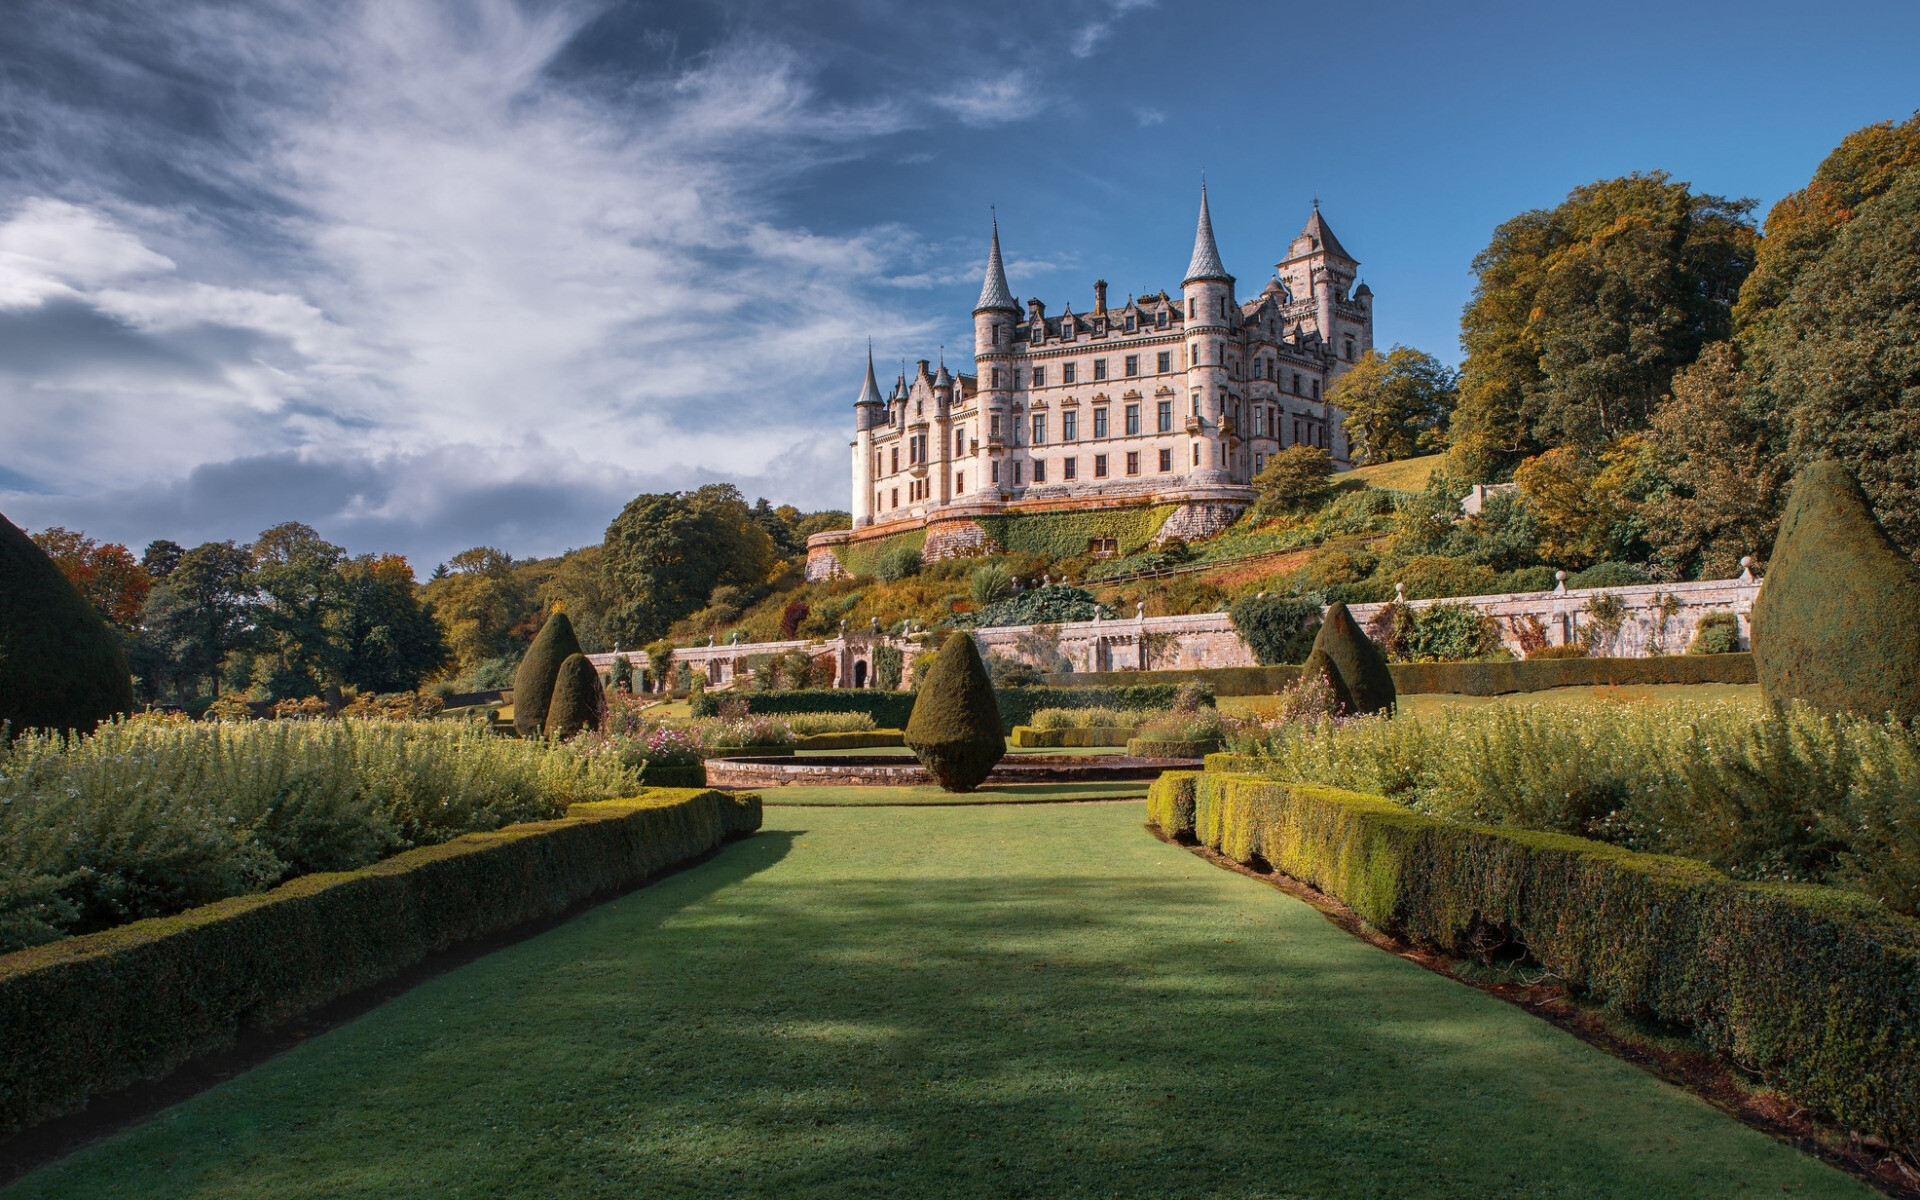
1099 297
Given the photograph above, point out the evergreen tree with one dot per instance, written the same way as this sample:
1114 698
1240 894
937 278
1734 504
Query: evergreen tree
955 727
61 666
578 702
533 682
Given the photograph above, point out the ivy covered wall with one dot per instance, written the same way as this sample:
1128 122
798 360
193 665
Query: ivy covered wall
1066 534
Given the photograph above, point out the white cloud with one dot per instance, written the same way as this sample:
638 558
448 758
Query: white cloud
463 252
992 101
1087 39
1149 116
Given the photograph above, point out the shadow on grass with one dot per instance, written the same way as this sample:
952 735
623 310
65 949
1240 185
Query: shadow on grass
847 1028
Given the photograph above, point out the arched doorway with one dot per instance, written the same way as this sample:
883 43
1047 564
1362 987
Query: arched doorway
859 674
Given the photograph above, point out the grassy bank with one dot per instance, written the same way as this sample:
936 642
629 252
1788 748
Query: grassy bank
963 1002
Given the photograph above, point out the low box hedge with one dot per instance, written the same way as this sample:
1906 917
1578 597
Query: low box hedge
858 739
1468 678
1026 737
661 775
99 1012
1017 705
1156 748
1815 990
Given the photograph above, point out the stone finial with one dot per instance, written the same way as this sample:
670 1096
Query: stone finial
1260 596
709 640
1399 593
1746 568
1139 610
876 624
1559 583
1046 580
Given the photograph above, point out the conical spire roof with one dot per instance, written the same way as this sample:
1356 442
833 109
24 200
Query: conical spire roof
870 390
994 293
1206 255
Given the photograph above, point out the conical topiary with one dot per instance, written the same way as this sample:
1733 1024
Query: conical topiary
955 726
1357 665
61 667
578 702
533 682
1837 621
1318 664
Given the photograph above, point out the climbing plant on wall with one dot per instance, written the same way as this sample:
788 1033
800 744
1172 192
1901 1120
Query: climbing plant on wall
1069 534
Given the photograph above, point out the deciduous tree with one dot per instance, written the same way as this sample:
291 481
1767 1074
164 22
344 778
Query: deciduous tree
1397 405
666 552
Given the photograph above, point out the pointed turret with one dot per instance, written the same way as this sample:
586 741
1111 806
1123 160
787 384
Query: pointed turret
1318 236
870 409
1206 255
994 293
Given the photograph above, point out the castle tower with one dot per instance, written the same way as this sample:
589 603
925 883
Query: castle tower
869 413
1212 321
993 320
1318 267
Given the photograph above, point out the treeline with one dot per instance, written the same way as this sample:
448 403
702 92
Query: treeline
291 615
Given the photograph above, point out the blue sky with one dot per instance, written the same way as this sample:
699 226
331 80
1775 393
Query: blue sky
435 275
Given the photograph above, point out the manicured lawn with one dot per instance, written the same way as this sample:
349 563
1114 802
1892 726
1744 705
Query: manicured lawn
993 793
944 1002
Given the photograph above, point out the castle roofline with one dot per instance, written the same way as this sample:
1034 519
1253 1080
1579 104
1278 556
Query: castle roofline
1205 263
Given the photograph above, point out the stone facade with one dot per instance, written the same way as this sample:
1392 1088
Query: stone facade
1165 400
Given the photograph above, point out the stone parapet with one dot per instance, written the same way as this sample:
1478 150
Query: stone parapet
1654 618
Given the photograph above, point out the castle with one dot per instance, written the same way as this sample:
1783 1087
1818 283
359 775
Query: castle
1168 402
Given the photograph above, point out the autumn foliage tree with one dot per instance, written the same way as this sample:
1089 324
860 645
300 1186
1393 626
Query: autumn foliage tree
1397 405
106 573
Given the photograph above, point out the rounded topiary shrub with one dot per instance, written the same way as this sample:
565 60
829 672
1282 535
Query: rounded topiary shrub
1717 633
955 726
1352 662
578 701
61 667
1837 621
533 682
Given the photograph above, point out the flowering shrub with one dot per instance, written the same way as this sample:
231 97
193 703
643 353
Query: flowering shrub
1198 725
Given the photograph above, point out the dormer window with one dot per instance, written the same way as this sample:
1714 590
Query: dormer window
1129 322
1161 318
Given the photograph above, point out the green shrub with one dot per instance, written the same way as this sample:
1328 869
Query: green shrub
887 664
892 710
92 1014
889 710
1051 605
851 741
1278 629
578 700
1608 574
1018 705
1356 665
897 563
1837 621
1086 718
539 668
61 667
1809 989
955 729
1150 747
1716 633
1460 678
807 724
1435 633
1319 672
1570 650
988 584
699 702
1026 737
862 559
150 816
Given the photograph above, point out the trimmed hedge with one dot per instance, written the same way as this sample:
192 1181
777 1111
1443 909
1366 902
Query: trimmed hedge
1818 991
1026 737
1465 678
662 775
1153 748
99 1012
858 739
892 710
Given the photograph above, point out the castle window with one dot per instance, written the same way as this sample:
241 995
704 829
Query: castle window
1132 365
1133 420
1069 468
959 482
1349 349
1166 460
1016 379
996 472
1099 368
1316 389
998 379
1068 374
1038 333
896 498
1069 427
1039 429
1259 462
1066 334
896 463
959 442
1196 404
1166 416
1099 466
1296 383
1190 304
1165 363
1129 322
1039 377
993 427
1133 462
1016 474
1161 321
1223 308
1039 470
1099 422
1196 454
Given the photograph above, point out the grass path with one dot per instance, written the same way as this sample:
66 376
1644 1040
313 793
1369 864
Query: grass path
944 1002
